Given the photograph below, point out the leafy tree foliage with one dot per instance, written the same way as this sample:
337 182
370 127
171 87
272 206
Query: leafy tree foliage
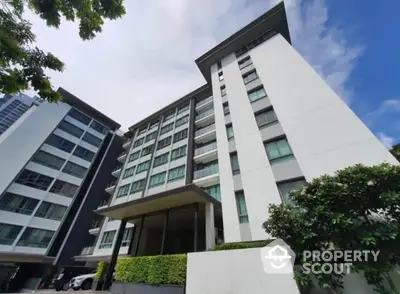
358 208
21 64
396 151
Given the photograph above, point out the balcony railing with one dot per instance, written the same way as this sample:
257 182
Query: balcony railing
205 101
208 171
118 167
103 203
205 113
97 223
206 148
205 130
122 154
111 184
88 250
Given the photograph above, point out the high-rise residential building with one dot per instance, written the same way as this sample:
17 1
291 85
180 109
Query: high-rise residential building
54 168
205 168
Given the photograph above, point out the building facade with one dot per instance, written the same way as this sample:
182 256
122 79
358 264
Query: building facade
55 163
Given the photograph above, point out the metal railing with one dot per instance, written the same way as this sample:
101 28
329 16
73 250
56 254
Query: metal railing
111 184
206 148
103 203
127 141
122 154
205 101
88 250
208 171
204 130
118 167
97 223
204 114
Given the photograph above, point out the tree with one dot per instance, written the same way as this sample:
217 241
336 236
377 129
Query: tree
23 66
358 208
396 151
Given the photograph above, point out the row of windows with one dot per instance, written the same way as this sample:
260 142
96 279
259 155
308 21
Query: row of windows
161 143
83 118
31 237
107 239
78 132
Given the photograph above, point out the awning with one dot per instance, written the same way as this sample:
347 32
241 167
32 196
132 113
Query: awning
17 257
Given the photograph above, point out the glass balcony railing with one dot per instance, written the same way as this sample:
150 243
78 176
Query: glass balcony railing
118 167
97 223
111 184
122 154
205 101
206 148
205 130
126 142
208 171
88 250
103 203
205 113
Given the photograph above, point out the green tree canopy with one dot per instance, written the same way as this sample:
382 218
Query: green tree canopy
23 65
396 151
358 208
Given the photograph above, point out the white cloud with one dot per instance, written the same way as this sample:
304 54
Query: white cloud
386 140
387 107
145 60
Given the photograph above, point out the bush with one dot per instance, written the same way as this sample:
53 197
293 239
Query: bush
241 245
152 270
102 268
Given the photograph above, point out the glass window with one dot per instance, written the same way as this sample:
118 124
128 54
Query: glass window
142 131
180 135
74 169
182 121
8 233
214 191
129 172
151 136
93 140
178 152
235 164
107 239
51 211
64 188
286 188
167 128
60 143
176 173
143 166
147 150
265 118
70 129
17 203
219 65
226 108
245 62
157 180
138 143
123 191
169 115
83 153
137 186
79 116
33 237
221 76
223 91
134 156
126 239
256 94
164 143
161 159
99 127
229 131
48 160
183 108
154 125
241 207
250 76
278 149
33 179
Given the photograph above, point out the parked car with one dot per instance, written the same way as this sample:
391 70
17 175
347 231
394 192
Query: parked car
65 274
83 282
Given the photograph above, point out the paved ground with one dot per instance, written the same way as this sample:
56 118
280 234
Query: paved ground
70 290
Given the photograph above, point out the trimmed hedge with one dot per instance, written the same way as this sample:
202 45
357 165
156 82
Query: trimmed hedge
102 268
241 245
152 270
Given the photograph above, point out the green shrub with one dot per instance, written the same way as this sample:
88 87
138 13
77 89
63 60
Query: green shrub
152 270
241 245
102 268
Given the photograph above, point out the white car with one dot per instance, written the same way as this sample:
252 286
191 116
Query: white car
83 282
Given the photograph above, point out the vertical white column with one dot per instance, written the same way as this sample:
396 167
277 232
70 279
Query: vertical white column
210 226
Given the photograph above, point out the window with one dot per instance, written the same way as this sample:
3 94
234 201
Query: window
180 135
214 191
142 131
250 76
164 143
51 211
161 159
182 121
8 233
151 136
154 125
137 186
60 143
143 166
147 150
157 180
129 172
225 106
126 239
64 188
178 152
176 173
265 117
221 76
245 62
223 91
138 143
48 160
255 43
17 203
229 131
169 115
167 128
33 237
278 150
107 239
235 164
123 191
99 127
93 140
219 65
183 108
79 116
70 129
241 207
33 179
286 188
74 169
256 94
83 153
134 156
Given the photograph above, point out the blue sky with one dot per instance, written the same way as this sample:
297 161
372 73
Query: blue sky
145 60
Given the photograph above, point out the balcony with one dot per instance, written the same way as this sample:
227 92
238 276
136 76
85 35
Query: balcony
205 134
206 153
103 203
96 225
88 250
205 118
207 176
204 102
117 170
127 144
122 156
111 187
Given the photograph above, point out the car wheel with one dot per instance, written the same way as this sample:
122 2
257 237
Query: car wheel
65 287
86 285
75 288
